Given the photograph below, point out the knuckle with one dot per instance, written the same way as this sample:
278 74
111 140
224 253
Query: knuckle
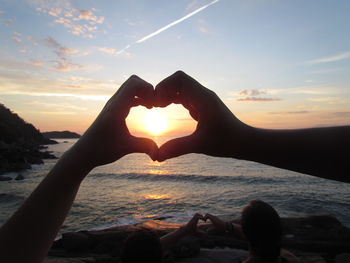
180 73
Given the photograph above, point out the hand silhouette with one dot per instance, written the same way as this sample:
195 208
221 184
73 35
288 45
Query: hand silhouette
216 124
108 138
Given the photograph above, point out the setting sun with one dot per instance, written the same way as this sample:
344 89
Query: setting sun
155 122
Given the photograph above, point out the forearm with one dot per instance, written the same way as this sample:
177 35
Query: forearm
169 240
35 225
320 152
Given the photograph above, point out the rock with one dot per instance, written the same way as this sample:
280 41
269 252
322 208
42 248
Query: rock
76 241
19 177
342 258
5 178
312 258
314 239
69 260
187 246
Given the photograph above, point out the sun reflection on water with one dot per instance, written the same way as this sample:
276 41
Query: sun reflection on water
156 197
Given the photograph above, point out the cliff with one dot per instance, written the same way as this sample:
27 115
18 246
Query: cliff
21 143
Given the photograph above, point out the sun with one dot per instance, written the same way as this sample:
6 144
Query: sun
155 122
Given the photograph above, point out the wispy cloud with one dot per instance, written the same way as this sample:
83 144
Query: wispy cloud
16 37
108 50
63 62
342 56
254 95
36 62
43 94
24 50
258 99
290 112
57 105
162 29
79 22
253 92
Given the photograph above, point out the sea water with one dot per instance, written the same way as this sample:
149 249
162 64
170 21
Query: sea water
135 189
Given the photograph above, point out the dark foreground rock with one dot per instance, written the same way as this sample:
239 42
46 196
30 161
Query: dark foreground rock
21 144
314 239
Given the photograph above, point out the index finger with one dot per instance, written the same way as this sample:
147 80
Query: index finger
133 92
182 89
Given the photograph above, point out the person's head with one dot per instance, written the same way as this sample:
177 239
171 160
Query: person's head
261 225
142 246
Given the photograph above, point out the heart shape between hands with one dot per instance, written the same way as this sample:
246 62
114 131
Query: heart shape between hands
204 106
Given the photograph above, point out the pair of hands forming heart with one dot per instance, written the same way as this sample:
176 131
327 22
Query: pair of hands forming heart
191 226
218 132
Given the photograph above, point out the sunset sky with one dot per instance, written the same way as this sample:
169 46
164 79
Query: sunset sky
276 64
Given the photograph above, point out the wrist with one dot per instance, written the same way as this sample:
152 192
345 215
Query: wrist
73 165
242 140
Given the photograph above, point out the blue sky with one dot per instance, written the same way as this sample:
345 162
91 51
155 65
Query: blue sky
276 64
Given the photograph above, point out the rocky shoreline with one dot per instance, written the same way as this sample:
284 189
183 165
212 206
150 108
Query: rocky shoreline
16 157
316 239
21 144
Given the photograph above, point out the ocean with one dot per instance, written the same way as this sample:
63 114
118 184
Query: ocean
135 189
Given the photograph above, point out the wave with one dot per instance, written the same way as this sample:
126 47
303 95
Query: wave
6 198
198 178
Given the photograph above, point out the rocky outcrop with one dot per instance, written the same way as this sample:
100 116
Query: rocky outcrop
314 239
21 144
61 135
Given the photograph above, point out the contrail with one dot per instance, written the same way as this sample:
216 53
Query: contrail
168 26
175 22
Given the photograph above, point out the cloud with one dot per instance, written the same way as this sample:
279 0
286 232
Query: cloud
290 112
342 113
43 94
57 105
342 56
36 62
254 96
25 50
202 27
253 92
16 39
9 22
67 66
89 15
258 99
108 50
79 22
2 12
63 63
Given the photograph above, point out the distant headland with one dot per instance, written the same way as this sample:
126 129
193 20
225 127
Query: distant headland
21 144
61 135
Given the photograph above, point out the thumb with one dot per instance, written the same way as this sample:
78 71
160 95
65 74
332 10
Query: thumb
144 145
177 147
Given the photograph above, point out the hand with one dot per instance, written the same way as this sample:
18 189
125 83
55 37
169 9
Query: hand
217 222
191 226
216 124
108 138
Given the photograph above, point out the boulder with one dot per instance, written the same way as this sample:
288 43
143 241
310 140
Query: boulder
19 177
5 178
